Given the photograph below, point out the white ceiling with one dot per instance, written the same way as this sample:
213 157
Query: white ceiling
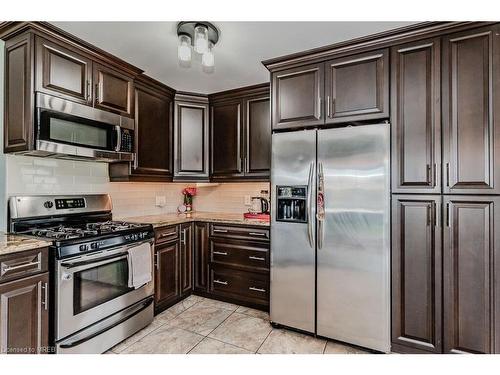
152 46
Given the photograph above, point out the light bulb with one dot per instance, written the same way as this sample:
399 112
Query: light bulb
208 58
184 49
200 39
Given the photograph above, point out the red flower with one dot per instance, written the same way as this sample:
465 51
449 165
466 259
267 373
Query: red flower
191 191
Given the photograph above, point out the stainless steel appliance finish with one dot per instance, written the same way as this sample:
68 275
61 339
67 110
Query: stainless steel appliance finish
45 205
94 306
109 332
353 290
118 128
293 244
350 256
84 300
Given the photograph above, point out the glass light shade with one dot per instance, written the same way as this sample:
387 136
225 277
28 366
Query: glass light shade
184 49
200 39
208 58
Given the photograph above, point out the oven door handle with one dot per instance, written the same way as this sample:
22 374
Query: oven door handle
92 261
136 310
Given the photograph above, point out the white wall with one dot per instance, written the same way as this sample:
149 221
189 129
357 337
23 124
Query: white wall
30 175
3 199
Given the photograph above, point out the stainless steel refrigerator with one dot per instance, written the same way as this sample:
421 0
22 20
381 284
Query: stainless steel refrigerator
330 244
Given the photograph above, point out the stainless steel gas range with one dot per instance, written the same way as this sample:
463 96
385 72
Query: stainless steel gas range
99 296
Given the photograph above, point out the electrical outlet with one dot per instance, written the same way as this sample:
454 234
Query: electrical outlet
161 201
248 200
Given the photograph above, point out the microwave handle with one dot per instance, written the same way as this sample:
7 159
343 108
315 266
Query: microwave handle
118 138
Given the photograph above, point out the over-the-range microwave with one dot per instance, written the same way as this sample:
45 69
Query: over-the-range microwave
69 130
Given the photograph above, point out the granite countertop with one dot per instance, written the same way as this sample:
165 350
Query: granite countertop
211 217
14 243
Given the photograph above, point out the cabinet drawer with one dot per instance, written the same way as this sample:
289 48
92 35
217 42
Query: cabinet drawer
239 232
23 264
239 254
166 234
239 284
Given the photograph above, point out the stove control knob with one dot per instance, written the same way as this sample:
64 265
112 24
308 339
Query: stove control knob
84 247
94 245
48 204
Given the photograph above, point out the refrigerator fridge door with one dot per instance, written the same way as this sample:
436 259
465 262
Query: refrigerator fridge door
353 292
293 242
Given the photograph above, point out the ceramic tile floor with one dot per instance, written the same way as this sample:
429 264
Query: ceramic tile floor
199 325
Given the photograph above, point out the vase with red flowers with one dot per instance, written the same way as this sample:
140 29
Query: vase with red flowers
189 193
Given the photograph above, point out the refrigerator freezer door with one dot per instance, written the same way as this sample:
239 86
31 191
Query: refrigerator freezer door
293 244
353 292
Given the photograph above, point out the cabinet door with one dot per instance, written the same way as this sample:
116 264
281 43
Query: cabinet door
153 133
258 137
357 87
226 151
471 111
24 320
416 273
191 140
62 72
416 117
167 288
186 266
201 256
297 97
19 98
471 266
113 90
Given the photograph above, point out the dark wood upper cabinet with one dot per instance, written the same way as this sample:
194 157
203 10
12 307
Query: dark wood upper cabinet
471 282
201 254
416 117
258 137
153 139
241 134
63 72
226 149
24 323
19 100
416 274
191 137
357 87
167 275
186 258
113 90
471 111
297 97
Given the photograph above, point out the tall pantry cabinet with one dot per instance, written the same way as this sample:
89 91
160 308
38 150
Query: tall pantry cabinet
445 114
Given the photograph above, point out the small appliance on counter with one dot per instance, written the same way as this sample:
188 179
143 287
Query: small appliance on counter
102 289
259 209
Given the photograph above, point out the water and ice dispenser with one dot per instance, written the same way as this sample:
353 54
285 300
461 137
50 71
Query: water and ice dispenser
291 204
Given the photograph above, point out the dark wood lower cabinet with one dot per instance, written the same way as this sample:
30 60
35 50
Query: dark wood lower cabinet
24 322
200 254
167 286
471 265
416 273
186 258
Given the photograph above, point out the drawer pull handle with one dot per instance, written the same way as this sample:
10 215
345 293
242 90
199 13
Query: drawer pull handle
220 282
220 230
257 289
163 235
219 253
19 266
257 234
45 301
256 258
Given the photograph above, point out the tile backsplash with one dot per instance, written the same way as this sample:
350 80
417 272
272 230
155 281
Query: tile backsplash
30 175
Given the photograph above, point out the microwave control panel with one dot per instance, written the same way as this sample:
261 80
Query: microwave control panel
127 141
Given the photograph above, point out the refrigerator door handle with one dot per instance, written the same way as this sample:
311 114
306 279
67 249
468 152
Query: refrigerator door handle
321 205
309 206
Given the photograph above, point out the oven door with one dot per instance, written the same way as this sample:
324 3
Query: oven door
93 287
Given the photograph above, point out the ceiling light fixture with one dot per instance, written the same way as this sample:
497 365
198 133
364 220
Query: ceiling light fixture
201 36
